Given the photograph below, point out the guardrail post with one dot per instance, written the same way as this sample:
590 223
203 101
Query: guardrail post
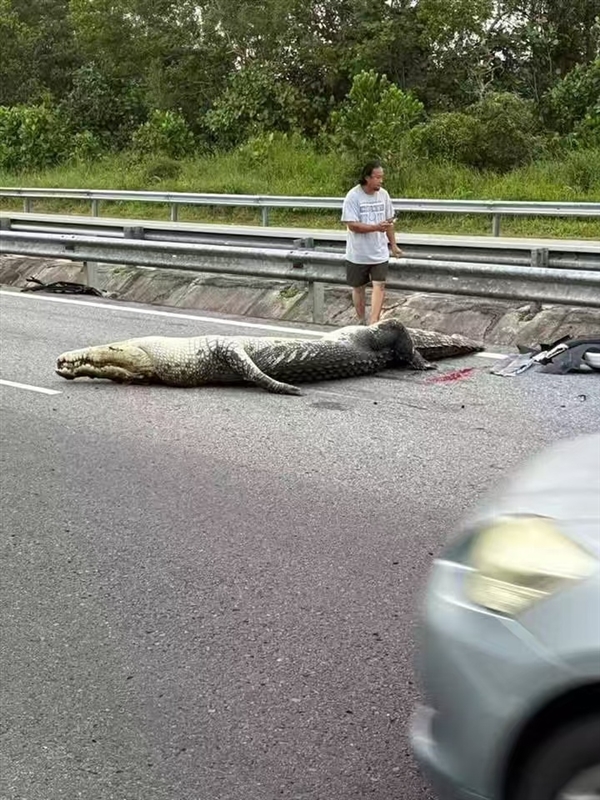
174 210
95 207
5 223
540 257
27 205
90 273
303 244
496 225
316 289
265 215
316 293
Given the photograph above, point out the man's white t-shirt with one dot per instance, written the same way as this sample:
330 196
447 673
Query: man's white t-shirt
367 248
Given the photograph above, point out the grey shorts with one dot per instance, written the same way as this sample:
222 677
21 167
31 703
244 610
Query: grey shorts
360 274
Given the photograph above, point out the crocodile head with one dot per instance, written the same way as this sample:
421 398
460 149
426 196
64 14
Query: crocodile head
122 362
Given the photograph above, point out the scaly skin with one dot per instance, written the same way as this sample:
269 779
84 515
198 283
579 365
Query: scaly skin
268 362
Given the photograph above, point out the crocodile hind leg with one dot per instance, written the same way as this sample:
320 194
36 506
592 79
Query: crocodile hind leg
404 346
238 360
406 351
418 362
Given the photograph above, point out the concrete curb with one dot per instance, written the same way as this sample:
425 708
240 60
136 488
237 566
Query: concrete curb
493 322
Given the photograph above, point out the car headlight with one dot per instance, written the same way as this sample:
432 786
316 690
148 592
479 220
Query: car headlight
518 561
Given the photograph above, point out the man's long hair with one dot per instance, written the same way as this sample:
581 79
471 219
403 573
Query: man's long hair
368 169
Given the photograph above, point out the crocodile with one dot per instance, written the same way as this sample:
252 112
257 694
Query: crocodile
272 363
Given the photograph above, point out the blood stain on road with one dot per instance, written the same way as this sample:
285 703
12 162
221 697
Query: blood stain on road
454 375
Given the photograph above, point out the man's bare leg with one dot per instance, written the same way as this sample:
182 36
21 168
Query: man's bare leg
377 297
359 300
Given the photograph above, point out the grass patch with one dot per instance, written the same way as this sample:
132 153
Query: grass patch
295 168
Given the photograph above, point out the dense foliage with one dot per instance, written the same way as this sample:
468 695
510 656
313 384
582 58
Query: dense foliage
490 84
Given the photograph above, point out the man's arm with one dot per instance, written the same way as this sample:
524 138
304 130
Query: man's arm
365 227
391 233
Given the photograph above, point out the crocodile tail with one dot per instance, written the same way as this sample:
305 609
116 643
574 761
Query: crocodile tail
434 345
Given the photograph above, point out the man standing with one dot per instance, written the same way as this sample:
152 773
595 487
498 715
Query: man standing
369 217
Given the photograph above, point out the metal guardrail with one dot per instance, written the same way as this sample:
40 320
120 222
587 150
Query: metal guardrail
571 287
559 253
494 208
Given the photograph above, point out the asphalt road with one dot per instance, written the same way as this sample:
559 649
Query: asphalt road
212 594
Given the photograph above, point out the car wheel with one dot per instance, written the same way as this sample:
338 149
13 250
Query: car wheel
565 767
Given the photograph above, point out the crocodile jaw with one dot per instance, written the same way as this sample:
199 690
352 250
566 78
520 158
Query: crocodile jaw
116 362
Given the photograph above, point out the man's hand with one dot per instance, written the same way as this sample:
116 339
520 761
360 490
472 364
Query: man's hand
396 252
384 226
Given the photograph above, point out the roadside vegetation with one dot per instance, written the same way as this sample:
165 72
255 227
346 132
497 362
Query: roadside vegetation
485 102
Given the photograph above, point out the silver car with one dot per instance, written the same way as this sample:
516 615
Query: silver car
509 657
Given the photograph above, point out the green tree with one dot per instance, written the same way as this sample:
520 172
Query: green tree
232 68
507 131
534 43
32 137
164 133
172 49
107 106
375 118
38 50
18 44
256 100
448 136
499 132
319 47
572 99
453 33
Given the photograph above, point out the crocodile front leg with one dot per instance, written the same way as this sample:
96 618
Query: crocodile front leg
238 360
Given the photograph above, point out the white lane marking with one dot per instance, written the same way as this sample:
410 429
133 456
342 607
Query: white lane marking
29 388
497 356
198 318
156 313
